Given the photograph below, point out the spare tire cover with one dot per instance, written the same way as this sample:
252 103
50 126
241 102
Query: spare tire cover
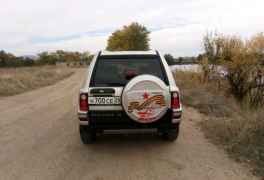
146 98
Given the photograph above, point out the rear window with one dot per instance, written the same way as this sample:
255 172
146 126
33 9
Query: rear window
116 71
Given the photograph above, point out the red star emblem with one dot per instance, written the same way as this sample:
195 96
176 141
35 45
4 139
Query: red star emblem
146 95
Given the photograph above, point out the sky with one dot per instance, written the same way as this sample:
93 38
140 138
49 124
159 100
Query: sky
177 26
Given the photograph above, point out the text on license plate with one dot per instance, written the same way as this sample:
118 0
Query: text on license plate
104 100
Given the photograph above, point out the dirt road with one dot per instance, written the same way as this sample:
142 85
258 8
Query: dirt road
39 140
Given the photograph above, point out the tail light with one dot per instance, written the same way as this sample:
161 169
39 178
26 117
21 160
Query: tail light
175 100
84 102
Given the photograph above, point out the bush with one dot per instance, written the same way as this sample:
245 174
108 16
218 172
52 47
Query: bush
243 62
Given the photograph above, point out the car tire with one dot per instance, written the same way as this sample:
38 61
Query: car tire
87 135
171 134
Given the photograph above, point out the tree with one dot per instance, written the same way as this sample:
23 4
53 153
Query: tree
180 59
132 37
87 57
169 58
256 46
212 46
199 57
8 60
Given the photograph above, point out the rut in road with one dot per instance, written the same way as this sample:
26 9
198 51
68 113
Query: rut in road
39 139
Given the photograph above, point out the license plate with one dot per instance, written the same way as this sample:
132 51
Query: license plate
104 100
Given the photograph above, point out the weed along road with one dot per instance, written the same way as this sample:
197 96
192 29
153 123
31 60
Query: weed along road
39 139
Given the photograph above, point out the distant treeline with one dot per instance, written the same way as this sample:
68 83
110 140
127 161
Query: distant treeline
45 58
180 60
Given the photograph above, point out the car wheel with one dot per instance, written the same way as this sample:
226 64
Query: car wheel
171 134
87 135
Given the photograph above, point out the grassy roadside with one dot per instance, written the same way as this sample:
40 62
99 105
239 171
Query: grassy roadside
238 129
18 80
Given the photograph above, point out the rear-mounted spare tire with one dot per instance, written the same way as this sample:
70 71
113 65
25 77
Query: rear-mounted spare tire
146 99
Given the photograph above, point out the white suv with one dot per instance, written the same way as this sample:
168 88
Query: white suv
129 90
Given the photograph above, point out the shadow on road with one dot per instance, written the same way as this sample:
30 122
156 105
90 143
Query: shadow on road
133 143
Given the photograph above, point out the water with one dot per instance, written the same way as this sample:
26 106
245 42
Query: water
189 67
197 68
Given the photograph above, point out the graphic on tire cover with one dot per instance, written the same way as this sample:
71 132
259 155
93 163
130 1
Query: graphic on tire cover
146 109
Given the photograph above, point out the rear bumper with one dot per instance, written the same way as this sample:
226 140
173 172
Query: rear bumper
115 120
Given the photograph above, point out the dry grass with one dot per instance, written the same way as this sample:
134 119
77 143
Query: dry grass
19 80
239 130
242 136
208 98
